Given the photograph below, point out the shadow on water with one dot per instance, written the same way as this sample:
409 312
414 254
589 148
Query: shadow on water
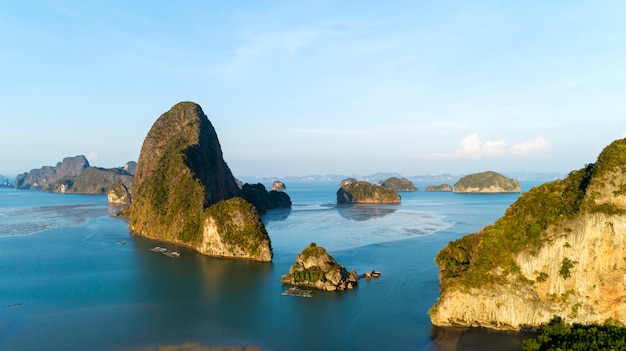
276 215
192 291
475 339
361 212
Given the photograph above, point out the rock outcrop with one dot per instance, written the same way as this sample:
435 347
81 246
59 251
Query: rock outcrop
353 191
315 268
130 167
118 194
398 184
278 186
440 187
184 192
264 200
486 182
558 250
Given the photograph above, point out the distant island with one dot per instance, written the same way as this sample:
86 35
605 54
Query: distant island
558 250
441 187
75 175
486 182
398 184
352 191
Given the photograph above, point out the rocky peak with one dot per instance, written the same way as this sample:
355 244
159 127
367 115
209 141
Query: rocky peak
186 132
184 192
72 165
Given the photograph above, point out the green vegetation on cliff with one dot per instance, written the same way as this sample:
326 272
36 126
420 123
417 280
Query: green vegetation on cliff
470 261
557 335
240 224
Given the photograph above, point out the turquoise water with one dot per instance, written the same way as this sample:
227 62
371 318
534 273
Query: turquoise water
67 283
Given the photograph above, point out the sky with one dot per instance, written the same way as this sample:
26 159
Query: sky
318 87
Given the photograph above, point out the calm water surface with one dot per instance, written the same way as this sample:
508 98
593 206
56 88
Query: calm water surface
67 283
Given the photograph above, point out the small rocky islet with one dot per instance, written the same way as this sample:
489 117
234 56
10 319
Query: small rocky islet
315 268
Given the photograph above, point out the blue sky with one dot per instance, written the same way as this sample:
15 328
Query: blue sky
318 87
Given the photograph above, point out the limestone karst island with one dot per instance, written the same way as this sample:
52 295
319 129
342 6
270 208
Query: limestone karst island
352 191
558 250
486 182
184 192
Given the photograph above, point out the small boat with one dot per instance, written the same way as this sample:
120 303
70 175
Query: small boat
296 291
171 254
159 249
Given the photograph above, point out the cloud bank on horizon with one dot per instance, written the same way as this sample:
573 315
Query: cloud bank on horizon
353 87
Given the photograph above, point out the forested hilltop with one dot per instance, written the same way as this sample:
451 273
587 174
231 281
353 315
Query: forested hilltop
558 250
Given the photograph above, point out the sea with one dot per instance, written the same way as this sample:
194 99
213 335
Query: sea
72 277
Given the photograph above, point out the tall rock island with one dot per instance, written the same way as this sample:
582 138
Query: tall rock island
560 250
184 192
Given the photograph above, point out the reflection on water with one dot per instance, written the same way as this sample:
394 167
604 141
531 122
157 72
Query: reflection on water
475 339
31 220
279 214
361 212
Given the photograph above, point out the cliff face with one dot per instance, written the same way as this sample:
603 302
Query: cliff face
180 176
354 191
118 194
486 182
559 250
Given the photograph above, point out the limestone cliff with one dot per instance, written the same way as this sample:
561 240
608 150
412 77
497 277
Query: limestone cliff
118 194
180 185
558 250
315 268
353 191
486 182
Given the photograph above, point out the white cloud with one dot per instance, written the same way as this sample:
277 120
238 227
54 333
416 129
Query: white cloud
531 147
493 147
92 156
472 147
